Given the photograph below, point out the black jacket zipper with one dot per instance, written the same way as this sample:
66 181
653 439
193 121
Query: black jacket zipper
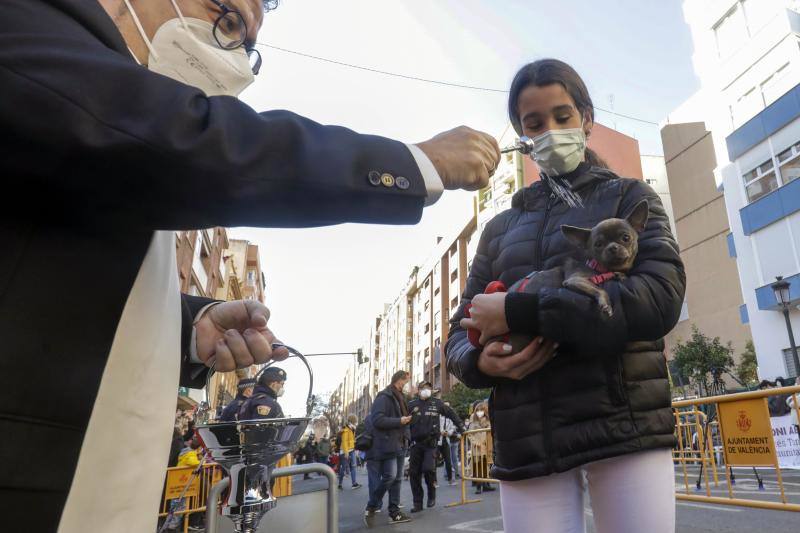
543 388
540 237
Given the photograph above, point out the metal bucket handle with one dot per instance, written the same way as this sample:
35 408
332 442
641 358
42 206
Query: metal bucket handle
292 353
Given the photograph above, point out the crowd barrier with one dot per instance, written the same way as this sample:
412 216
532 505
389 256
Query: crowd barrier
192 485
736 431
476 455
714 434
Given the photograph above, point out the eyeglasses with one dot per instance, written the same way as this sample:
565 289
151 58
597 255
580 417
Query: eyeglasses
230 32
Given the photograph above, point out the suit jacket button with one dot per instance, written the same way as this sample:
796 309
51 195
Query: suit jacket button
375 178
402 183
387 180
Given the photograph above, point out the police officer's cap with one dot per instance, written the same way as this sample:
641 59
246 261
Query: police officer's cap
273 373
246 383
425 384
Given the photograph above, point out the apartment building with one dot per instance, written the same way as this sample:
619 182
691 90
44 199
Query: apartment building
747 56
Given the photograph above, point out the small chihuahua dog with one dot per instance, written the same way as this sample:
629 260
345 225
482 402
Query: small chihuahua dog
610 248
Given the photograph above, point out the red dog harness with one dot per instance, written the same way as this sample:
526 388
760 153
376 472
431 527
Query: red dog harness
603 276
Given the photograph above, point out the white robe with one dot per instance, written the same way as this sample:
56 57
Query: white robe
121 467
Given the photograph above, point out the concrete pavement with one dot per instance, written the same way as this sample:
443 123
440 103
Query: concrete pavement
484 517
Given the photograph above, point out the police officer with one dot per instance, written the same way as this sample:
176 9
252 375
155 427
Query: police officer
425 433
245 390
264 401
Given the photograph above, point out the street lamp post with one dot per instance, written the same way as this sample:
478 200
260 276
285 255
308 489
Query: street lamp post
781 289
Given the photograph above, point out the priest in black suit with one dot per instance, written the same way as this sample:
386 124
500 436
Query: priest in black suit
119 128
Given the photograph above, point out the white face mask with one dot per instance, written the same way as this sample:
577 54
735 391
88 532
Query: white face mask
479 414
425 394
185 50
279 392
558 152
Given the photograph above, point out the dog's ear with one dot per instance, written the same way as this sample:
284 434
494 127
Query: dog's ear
577 236
638 216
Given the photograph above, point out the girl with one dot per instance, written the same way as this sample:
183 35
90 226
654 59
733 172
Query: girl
590 392
480 446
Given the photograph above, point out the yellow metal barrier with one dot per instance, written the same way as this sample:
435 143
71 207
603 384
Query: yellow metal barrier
476 459
741 433
195 494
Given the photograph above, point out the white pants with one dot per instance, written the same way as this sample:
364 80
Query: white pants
632 493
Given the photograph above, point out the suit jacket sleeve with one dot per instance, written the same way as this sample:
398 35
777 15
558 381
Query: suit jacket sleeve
93 135
193 375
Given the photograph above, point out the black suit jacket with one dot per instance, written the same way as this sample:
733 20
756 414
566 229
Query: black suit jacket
96 153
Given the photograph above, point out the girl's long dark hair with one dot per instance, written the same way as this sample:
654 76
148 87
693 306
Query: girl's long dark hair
547 72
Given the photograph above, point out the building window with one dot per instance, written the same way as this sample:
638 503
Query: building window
453 275
747 106
454 303
427 328
730 32
758 13
453 250
776 85
789 164
791 371
436 292
437 318
427 305
760 181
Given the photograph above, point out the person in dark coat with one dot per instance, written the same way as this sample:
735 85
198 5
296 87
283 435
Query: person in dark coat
591 391
263 403
425 435
388 422
244 391
122 141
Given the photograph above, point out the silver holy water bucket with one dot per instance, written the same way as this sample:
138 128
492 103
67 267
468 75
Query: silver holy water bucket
248 451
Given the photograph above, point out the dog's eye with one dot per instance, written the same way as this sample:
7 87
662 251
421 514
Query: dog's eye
626 237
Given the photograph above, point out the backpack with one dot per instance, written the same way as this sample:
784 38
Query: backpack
364 439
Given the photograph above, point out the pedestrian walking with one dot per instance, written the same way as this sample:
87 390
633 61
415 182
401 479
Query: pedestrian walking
591 391
425 436
244 390
347 452
120 118
388 422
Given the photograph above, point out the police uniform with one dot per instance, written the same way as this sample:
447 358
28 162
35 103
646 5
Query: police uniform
264 402
425 433
231 411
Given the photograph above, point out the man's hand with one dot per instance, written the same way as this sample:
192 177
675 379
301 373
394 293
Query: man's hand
405 420
496 358
235 335
463 157
487 315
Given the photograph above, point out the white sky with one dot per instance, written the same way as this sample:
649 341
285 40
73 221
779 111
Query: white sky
325 286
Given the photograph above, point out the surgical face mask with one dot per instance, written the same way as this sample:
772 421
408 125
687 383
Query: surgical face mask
185 50
425 394
279 391
407 388
479 414
559 151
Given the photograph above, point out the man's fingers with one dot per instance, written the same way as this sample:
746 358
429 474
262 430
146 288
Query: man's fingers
259 314
223 357
279 354
238 347
258 345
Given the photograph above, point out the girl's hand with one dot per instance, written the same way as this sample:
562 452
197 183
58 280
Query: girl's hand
497 360
487 315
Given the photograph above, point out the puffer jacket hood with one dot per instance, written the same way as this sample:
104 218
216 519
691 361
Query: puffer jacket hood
606 393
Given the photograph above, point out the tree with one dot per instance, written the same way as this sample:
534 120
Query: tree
701 356
747 365
461 398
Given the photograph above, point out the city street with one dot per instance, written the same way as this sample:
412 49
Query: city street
484 517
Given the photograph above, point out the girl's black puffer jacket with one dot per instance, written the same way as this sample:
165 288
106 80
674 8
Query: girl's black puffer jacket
606 393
